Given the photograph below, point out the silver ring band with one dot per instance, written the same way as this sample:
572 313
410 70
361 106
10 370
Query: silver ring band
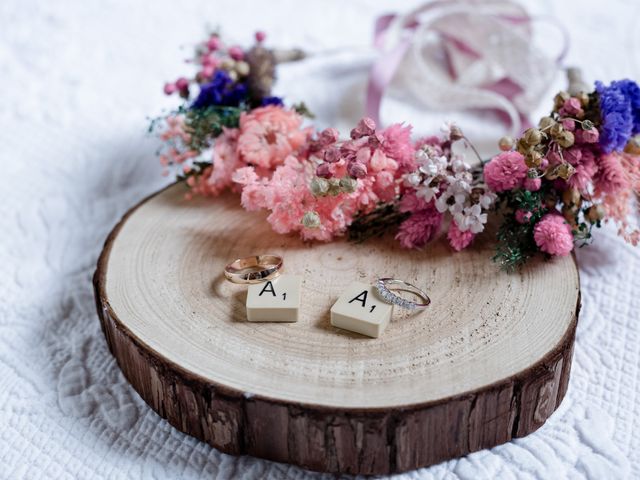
384 286
254 269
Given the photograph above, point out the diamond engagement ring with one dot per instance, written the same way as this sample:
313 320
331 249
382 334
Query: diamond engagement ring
385 286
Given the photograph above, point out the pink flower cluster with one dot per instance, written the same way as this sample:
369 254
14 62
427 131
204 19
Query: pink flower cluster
266 136
324 182
441 182
375 158
580 183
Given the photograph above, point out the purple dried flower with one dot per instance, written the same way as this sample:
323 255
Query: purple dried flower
271 101
616 114
221 91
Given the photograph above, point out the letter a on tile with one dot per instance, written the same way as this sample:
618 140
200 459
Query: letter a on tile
362 300
268 287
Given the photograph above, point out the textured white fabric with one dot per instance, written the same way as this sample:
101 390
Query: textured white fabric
77 80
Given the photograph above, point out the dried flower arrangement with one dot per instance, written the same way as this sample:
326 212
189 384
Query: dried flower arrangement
579 167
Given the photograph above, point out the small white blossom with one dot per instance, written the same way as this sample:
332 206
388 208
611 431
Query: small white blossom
413 179
459 165
474 219
487 199
427 192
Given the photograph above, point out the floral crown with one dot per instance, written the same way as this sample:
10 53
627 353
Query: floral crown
579 167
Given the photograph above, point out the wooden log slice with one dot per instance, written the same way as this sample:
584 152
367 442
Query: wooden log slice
488 361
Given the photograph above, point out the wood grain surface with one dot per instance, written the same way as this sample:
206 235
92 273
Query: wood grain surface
488 361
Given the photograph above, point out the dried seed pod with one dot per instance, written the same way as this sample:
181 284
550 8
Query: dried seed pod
311 220
455 133
595 213
533 136
334 187
242 68
556 129
571 196
227 64
506 143
565 139
584 99
522 146
633 145
560 98
546 123
565 171
570 214
533 159
348 184
319 186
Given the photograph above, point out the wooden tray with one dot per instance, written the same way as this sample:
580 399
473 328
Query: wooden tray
488 361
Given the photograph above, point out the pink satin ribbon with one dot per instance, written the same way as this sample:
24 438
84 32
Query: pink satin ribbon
387 64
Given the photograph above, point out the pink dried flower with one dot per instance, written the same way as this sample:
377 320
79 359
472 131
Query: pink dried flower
532 184
523 216
398 146
554 158
410 202
385 186
611 176
214 43
225 162
417 230
571 107
587 136
332 155
569 124
552 235
458 239
365 127
357 169
269 134
288 198
505 171
573 155
585 170
236 52
328 137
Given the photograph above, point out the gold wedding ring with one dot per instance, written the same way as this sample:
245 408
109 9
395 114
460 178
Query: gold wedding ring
254 269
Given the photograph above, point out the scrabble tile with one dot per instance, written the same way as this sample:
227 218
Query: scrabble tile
360 310
276 300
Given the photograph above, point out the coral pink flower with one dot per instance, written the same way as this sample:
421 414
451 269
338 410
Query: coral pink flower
288 197
269 134
553 235
458 239
417 230
611 176
225 163
505 171
397 145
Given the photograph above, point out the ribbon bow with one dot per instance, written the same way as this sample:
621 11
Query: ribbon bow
464 54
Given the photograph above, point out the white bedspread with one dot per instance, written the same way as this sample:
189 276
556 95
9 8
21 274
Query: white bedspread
77 81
